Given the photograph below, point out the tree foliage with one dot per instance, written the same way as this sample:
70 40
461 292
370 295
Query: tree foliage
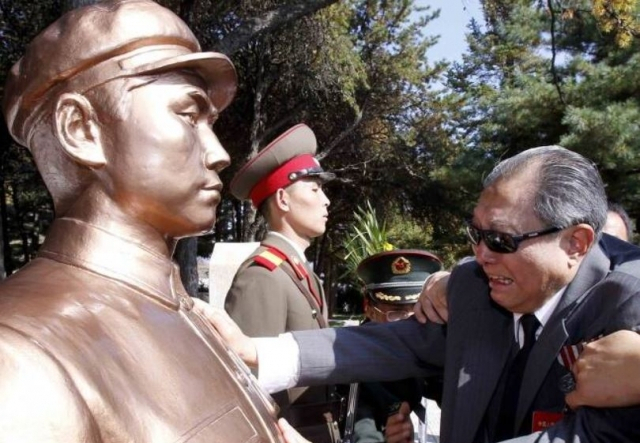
554 72
412 136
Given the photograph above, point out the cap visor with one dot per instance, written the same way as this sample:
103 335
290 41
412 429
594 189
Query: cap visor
323 176
215 69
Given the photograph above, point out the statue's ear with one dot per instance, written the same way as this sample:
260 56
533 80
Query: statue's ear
78 131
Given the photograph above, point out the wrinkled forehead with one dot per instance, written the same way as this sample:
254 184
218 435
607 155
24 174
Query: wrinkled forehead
506 202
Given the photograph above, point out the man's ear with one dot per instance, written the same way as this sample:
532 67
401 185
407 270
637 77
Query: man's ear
581 238
281 198
366 307
77 130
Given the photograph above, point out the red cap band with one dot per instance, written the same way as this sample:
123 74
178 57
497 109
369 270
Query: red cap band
279 178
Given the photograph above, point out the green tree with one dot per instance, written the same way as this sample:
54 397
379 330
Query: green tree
551 72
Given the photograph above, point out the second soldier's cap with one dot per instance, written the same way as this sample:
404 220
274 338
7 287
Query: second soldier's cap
288 158
94 44
396 277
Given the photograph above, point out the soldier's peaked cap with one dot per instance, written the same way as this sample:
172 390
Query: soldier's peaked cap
94 44
288 158
396 277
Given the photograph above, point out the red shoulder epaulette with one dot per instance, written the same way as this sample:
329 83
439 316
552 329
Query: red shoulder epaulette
270 259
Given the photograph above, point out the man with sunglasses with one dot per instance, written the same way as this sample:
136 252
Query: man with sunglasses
541 285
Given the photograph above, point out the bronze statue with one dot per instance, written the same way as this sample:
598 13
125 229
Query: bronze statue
98 339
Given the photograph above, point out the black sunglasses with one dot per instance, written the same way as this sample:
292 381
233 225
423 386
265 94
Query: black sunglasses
502 242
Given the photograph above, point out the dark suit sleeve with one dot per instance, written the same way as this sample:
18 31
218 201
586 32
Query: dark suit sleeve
591 425
376 352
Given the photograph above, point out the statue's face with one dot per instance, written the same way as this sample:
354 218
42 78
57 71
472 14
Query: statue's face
163 158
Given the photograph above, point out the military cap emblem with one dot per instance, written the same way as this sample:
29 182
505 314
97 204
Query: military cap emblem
396 276
400 266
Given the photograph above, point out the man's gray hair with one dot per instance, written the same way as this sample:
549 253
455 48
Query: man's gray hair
569 187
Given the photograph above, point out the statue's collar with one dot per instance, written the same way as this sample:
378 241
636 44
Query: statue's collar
80 244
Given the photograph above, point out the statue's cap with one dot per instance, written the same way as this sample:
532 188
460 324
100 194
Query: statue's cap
94 44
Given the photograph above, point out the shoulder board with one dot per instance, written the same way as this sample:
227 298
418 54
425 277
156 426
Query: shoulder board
269 259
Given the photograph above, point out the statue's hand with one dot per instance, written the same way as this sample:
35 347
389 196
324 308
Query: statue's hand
432 304
229 331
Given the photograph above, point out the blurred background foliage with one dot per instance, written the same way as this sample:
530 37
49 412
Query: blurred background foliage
410 135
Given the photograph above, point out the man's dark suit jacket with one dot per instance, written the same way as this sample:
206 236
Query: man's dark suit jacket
474 348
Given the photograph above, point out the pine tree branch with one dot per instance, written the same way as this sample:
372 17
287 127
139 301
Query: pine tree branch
268 22
554 72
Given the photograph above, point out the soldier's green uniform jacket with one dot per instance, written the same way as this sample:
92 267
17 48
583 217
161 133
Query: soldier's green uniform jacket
270 296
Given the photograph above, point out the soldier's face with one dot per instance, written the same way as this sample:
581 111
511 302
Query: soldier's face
308 204
163 158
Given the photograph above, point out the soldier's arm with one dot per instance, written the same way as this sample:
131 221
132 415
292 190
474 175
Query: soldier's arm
38 401
256 303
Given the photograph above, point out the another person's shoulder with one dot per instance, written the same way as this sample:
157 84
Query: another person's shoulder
466 268
264 262
624 257
268 258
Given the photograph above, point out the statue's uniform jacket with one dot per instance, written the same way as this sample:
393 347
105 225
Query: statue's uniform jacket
104 347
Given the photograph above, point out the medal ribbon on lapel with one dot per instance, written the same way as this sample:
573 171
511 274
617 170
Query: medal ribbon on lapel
570 353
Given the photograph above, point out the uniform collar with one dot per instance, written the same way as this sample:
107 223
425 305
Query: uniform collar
293 245
89 247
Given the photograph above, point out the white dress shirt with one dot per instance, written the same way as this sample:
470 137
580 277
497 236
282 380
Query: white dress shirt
543 314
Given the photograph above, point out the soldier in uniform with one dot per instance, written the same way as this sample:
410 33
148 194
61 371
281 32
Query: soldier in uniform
392 283
275 289
99 341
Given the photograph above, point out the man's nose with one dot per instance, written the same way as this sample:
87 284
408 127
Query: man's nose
483 254
215 156
327 202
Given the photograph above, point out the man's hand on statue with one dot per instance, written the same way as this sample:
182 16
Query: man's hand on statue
289 433
229 331
607 372
432 304
399 428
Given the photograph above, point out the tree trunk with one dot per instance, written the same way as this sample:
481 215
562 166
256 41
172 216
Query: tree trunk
268 22
186 256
